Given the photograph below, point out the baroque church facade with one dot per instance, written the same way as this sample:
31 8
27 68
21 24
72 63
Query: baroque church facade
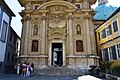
58 32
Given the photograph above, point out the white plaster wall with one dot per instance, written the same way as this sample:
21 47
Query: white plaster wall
3 45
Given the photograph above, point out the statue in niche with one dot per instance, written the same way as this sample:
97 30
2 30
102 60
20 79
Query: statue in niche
35 30
78 29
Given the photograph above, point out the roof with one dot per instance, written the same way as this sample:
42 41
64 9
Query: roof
103 11
6 7
114 13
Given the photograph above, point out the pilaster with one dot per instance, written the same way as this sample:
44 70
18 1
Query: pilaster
88 36
27 35
43 37
70 31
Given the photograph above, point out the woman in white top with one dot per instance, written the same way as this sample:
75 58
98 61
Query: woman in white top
28 69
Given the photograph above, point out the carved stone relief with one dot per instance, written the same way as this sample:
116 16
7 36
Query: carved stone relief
57 21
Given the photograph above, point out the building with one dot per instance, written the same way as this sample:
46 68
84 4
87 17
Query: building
108 38
12 50
5 20
58 32
103 12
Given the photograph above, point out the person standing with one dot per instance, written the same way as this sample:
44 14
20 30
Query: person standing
24 69
28 70
18 68
32 68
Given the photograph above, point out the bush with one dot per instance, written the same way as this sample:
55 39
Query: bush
105 66
115 66
110 67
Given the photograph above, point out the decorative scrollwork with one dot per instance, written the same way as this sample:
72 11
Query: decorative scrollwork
44 18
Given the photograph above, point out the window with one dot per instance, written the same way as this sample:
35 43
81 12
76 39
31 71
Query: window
79 46
4 31
118 50
108 30
115 26
34 46
103 54
103 34
110 53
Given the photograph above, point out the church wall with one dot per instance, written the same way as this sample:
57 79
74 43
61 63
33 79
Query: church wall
45 26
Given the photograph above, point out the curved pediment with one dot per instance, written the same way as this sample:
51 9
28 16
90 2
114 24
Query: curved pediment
60 3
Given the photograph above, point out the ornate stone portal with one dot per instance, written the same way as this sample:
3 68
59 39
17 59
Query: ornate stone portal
58 32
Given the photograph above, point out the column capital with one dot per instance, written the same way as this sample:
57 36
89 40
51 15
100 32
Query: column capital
70 17
43 18
87 17
27 18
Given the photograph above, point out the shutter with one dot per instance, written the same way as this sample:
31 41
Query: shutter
106 55
114 52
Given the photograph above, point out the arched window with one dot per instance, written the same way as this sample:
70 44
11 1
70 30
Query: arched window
35 30
79 46
34 46
78 29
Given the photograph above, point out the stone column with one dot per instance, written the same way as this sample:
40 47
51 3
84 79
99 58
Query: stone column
43 37
70 31
50 53
88 36
27 35
22 37
64 55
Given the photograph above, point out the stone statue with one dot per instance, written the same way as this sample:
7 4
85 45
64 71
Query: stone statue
78 29
35 30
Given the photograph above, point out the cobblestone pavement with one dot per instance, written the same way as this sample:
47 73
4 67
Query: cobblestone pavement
19 77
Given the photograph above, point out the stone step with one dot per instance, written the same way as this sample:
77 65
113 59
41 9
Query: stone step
57 71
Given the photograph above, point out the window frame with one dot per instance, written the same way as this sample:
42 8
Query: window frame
118 54
110 53
4 31
103 54
108 30
117 25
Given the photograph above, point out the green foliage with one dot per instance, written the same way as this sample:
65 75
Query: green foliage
116 71
104 66
111 67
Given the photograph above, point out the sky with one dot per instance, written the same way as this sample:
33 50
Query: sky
16 7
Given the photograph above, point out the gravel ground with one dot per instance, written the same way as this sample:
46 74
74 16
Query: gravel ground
19 77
